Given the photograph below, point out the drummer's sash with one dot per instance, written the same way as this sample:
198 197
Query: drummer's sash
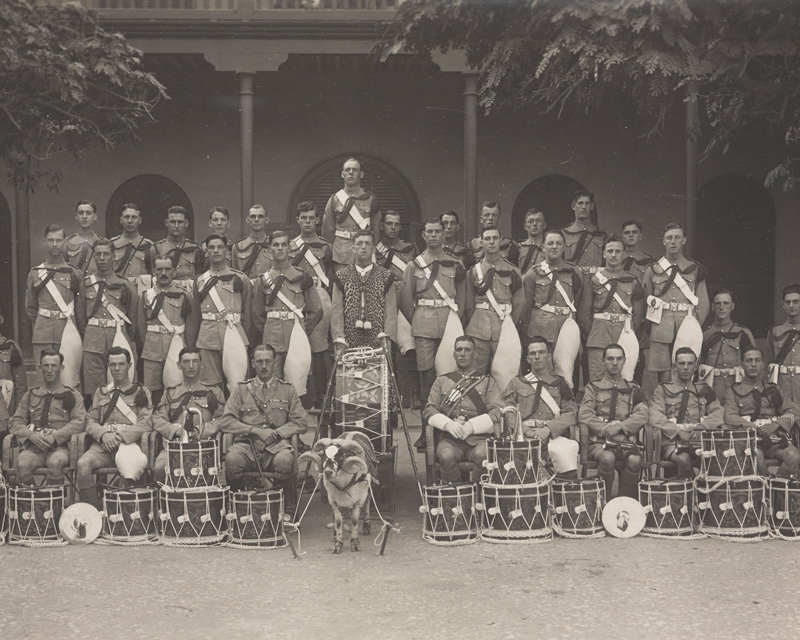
67 309
490 294
312 260
679 281
436 285
282 296
353 211
397 261
559 287
171 375
464 388
545 395
121 406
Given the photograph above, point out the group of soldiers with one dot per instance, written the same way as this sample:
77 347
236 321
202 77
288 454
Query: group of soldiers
129 334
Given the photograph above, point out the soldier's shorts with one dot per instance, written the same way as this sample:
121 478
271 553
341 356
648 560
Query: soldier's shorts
426 352
660 357
153 374
211 372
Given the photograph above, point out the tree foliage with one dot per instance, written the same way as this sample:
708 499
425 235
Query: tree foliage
739 56
65 83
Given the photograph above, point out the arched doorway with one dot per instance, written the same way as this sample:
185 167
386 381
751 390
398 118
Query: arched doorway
154 194
390 186
551 194
6 273
737 216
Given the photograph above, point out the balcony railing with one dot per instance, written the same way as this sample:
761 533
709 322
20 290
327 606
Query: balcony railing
311 6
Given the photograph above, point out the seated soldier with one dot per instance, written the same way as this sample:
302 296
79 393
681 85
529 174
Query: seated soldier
546 406
119 417
682 409
465 407
44 422
755 403
614 410
190 394
263 414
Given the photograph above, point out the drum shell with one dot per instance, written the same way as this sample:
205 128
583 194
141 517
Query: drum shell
738 492
785 506
125 502
588 493
3 510
35 501
533 501
195 462
526 455
717 466
448 497
679 496
254 532
362 399
195 505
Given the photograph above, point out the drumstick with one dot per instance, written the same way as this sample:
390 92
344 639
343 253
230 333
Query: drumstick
258 465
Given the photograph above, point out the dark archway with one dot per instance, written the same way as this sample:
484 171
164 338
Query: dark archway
154 194
737 224
551 194
6 274
390 186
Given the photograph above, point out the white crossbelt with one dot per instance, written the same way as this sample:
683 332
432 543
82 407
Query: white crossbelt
500 311
436 285
68 310
151 294
282 297
549 400
397 261
679 281
559 287
355 212
312 260
119 317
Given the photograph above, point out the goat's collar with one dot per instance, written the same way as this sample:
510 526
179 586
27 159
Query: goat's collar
354 480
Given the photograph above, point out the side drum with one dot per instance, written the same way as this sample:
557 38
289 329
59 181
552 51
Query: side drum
728 453
733 509
511 462
578 508
192 466
33 515
256 520
515 514
784 517
449 514
669 505
129 515
193 518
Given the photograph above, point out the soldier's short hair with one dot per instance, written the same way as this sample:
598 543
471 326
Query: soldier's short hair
449 213
436 221
188 350
539 340
264 347
532 212
683 351
489 204
221 210
750 348
721 291
118 351
790 288
132 206
490 229
362 233
611 346
671 226
613 238
306 205
103 242
278 233
390 212
51 352
469 339
163 256
216 236
258 207
582 193
86 202
178 209
352 159
635 223
53 228
551 232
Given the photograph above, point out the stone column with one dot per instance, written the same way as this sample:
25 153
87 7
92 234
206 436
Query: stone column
246 86
470 155
692 145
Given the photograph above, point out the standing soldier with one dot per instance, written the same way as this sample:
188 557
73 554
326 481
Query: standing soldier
312 254
783 349
489 218
531 251
611 309
614 410
50 304
552 290
223 298
493 293
723 344
450 243
13 378
119 417
251 255
349 210
167 323
219 221
676 298
584 241
106 312
80 244
364 300
45 420
131 250
187 256
635 260
189 394
286 299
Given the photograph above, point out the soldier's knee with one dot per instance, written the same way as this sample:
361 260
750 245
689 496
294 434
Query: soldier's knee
85 465
633 464
234 465
283 463
160 469
791 458
606 461
57 463
26 465
447 458
684 461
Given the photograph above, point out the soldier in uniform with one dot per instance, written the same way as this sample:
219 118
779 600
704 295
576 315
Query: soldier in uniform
723 342
219 221
312 254
763 405
263 414
450 243
489 218
545 402
190 394
612 301
364 300
120 415
675 287
79 245
614 410
281 295
634 260
251 255
131 250
682 409
13 378
584 241
46 418
783 349
222 295
165 311
531 250
107 306
464 406
186 255
493 291
433 284
349 210
50 307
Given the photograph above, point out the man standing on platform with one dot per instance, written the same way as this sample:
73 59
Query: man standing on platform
676 292
723 345
583 240
531 251
251 255
187 256
783 348
131 250
106 313
450 243
349 210
490 218
79 245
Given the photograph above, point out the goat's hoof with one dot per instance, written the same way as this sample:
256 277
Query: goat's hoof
354 545
337 547
367 527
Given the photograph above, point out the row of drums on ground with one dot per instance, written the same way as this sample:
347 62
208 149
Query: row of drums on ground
517 502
